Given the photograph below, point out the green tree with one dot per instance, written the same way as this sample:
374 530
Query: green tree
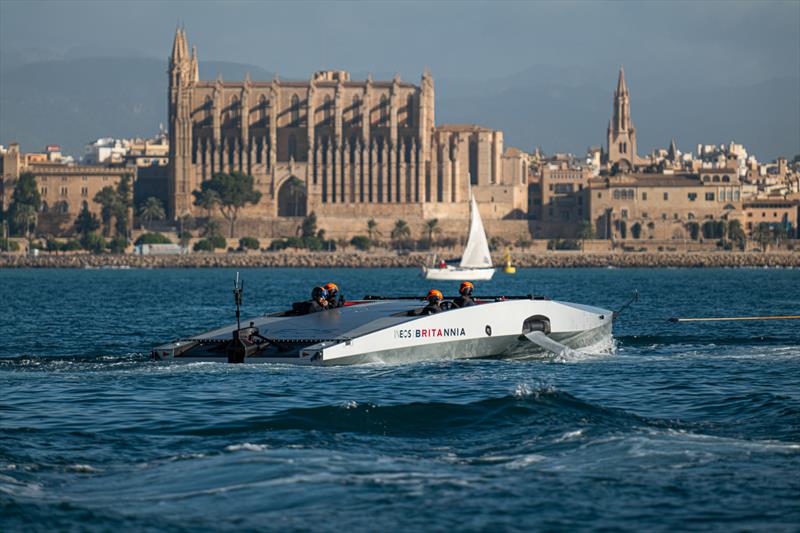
107 198
152 210
309 226
296 190
233 192
123 205
694 230
736 234
93 242
86 221
211 228
372 229
249 243
361 242
585 232
401 231
25 218
431 227
762 234
26 194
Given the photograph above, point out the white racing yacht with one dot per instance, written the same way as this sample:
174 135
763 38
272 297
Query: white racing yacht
386 329
476 261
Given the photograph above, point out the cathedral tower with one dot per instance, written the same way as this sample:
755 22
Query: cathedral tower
621 133
183 74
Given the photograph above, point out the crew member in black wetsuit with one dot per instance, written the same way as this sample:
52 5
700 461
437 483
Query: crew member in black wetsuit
317 303
465 300
434 304
335 298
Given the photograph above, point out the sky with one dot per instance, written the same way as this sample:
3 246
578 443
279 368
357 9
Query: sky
661 44
719 40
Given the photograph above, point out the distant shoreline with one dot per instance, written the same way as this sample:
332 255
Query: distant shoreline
388 260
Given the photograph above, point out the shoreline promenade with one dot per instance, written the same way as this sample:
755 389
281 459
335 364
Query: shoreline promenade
390 260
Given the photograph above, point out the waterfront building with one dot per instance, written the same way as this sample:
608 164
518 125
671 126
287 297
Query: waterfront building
777 211
360 149
559 195
64 188
661 206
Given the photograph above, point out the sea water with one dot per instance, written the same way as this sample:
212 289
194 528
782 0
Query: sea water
668 426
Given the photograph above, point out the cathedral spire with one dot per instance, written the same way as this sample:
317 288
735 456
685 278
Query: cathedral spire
195 69
177 47
673 150
621 87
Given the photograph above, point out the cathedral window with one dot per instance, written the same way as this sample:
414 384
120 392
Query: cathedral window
356 112
473 163
616 194
384 111
327 110
292 147
410 111
295 111
207 107
715 179
262 109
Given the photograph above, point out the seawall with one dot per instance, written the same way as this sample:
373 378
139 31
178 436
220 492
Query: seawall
388 260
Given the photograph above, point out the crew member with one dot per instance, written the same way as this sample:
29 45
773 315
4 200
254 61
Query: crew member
434 304
465 300
335 298
318 301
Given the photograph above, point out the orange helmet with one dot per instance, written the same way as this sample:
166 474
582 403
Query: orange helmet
433 294
331 288
466 287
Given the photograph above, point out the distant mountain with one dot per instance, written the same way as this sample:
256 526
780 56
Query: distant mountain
72 102
568 110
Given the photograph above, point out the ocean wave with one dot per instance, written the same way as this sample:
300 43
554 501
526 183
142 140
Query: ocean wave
527 405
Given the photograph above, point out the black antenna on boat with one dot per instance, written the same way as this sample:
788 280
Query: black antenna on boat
238 288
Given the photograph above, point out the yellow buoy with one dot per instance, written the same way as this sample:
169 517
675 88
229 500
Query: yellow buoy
509 268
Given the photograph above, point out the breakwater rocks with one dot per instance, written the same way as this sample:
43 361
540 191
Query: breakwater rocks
388 260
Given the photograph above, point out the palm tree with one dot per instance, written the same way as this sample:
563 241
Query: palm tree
25 216
401 231
762 234
151 210
431 226
372 229
586 232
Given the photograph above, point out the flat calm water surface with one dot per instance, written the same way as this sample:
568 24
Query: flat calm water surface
691 426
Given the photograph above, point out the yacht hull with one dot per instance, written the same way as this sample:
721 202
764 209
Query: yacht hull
382 331
451 273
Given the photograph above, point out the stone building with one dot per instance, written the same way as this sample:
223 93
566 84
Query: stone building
773 211
64 188
360 149
559 196
659 206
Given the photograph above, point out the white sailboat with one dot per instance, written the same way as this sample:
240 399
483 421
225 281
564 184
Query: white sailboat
476 261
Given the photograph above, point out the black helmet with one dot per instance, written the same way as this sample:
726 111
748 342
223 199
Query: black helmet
318 293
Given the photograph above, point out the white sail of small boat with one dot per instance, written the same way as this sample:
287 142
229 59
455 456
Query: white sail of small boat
476 261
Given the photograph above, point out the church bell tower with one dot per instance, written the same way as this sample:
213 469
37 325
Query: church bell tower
621 133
